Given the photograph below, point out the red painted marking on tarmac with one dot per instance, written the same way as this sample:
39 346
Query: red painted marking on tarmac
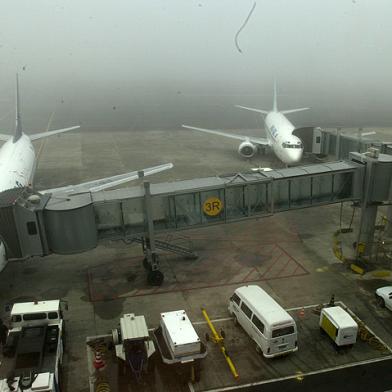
178 286
248 274
298 264
272 264
296 269
163 291
284 267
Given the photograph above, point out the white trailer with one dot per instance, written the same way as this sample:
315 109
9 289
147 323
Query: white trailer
339 325
33 353
179 344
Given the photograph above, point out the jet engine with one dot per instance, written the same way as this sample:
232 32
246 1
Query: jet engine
247 149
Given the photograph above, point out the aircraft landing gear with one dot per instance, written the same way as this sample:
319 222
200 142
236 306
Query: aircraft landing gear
146 264
151 259
155 278
151 264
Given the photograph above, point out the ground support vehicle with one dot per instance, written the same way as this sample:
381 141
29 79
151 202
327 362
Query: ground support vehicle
339 325
179 345
33 353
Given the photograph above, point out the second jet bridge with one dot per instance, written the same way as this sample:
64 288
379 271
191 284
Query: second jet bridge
33 224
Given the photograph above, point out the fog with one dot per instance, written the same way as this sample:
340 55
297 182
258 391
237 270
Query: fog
157 64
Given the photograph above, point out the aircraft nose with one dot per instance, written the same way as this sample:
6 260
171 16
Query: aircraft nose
294 157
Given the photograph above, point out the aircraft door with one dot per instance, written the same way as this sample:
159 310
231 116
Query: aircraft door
316 146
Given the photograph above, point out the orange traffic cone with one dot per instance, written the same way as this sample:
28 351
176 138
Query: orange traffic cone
99 363
301 313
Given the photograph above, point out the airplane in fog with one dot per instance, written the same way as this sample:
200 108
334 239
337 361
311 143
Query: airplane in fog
18 163
286 146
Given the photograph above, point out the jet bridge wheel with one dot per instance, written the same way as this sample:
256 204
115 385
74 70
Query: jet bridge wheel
155 278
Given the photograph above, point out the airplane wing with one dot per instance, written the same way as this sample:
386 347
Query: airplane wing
294 110
108 182
4 137
36 136
255 140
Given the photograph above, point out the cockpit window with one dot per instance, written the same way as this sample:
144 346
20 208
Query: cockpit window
291 145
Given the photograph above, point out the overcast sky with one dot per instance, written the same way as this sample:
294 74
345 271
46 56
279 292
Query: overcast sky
157 64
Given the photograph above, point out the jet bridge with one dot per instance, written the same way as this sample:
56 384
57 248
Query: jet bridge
32 224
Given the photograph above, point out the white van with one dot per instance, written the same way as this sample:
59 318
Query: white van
339 326
265 321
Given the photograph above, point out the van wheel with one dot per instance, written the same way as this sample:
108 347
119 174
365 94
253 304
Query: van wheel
380 302
258 349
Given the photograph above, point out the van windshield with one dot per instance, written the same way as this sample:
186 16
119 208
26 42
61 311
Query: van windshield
283 331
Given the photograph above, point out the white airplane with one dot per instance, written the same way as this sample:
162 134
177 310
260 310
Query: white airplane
18 164
287 147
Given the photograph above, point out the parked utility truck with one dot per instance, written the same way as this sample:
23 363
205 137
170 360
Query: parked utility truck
33 353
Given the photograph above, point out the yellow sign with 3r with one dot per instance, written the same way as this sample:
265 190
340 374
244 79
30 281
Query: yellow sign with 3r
212 206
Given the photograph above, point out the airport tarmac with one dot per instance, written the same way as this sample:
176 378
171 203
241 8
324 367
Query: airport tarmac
288 254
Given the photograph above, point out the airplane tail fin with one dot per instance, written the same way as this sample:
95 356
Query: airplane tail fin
18 124
275 103
262 111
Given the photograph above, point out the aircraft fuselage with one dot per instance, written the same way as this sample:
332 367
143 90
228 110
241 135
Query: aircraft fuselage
279 130
17 163
17 167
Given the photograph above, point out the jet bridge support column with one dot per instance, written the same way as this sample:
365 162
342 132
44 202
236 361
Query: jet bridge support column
388 226
376 191
368 215
151 258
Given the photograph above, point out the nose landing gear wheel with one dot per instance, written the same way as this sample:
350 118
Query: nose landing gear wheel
155 278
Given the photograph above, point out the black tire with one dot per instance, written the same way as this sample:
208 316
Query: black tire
207 336
155 278
235 320
258 349
380 302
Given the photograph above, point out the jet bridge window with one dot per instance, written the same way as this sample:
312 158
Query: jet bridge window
32 228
